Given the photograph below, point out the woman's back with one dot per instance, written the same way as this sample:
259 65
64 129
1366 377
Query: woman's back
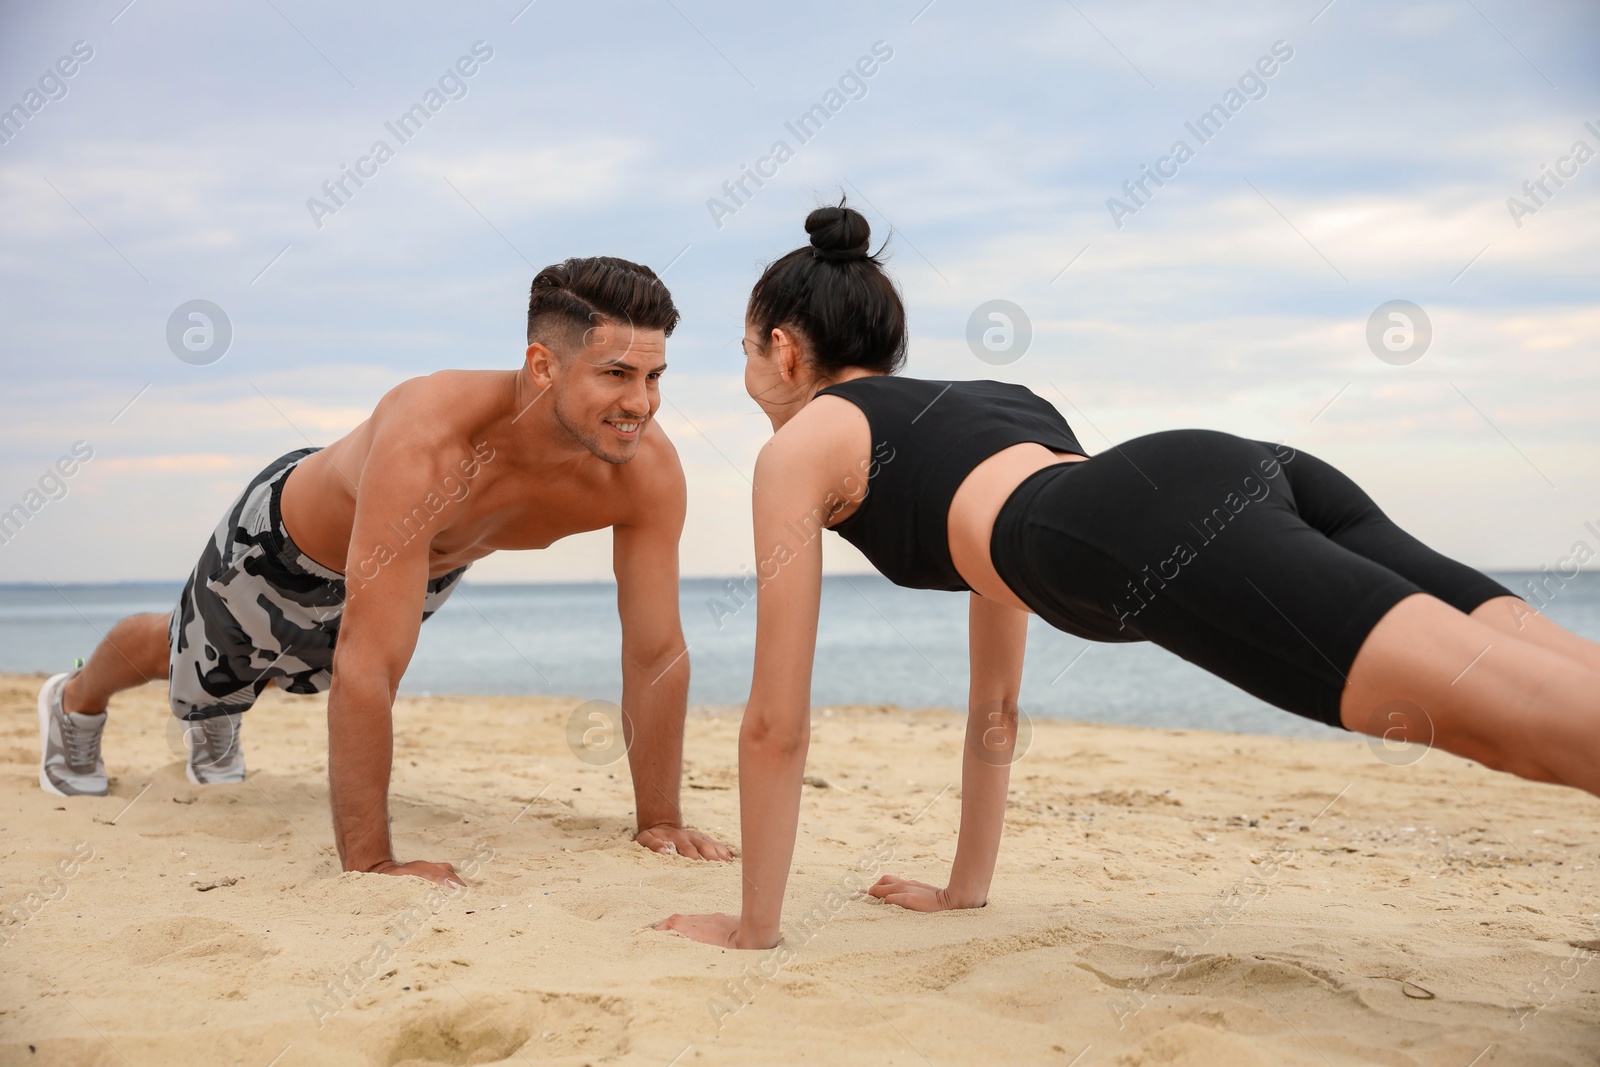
927 436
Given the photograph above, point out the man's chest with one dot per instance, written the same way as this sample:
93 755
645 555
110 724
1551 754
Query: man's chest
519 518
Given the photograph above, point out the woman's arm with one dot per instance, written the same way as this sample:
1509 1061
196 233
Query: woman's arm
776 731
797 487
998 637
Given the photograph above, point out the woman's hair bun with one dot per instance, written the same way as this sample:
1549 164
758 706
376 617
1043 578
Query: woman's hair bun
834 295
838 234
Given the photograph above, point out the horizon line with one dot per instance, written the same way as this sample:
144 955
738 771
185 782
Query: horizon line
610 582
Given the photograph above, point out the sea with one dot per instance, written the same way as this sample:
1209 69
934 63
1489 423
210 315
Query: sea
876 644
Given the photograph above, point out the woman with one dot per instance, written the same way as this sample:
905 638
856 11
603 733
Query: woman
1265 566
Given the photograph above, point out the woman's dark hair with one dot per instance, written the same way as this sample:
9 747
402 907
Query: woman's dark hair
835 294
568 298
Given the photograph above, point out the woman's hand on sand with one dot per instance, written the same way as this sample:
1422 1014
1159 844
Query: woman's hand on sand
676 841
718 929
442 873
913 896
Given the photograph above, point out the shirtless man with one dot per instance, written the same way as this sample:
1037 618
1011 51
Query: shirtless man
323 570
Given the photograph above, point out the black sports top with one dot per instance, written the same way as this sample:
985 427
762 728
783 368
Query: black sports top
926 438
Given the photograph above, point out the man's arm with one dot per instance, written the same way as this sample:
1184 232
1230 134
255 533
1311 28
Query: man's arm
655 663
385 586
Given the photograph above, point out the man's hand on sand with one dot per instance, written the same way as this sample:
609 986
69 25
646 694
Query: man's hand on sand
442 873
913 896
676 841
717 929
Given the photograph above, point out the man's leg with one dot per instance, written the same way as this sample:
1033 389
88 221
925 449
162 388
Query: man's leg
133 653
72 707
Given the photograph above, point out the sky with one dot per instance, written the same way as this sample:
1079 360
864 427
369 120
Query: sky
1368 153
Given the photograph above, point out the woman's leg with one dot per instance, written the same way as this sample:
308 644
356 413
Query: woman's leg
1482 692
1513 615
1274 571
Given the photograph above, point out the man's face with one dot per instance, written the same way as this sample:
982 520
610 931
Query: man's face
608 389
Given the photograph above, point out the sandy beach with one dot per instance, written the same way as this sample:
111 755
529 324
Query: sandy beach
1162 897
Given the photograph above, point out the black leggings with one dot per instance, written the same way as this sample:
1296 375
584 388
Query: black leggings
1265 566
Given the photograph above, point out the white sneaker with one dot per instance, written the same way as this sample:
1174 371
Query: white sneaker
215 755
69 746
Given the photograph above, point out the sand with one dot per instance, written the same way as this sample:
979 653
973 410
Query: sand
1163 897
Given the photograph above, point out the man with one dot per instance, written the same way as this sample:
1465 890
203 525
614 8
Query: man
324 569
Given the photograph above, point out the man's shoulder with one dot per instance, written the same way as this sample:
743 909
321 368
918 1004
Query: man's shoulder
437 418
656 463
653 479
462 392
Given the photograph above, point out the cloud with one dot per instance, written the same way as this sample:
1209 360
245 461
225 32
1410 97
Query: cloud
525 183
985 150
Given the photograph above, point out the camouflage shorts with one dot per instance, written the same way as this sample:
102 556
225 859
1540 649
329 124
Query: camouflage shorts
256 609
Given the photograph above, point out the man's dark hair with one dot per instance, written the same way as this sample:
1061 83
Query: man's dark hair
569 298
